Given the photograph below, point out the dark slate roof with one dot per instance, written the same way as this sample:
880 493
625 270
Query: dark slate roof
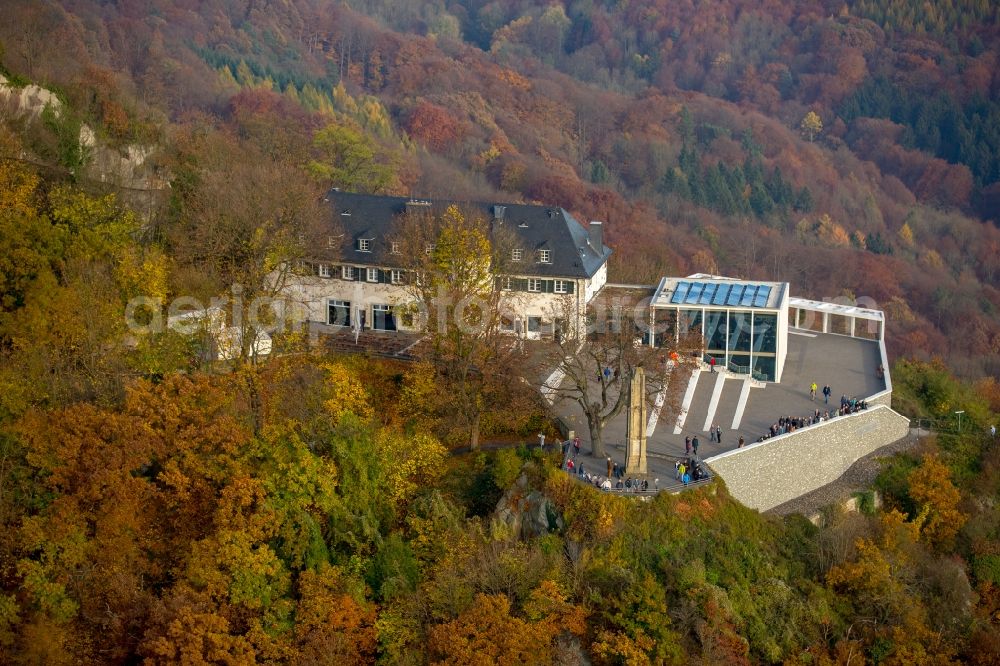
539 227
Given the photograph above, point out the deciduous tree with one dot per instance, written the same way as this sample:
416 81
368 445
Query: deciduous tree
348 158
937 501
811 125
457 268
593 365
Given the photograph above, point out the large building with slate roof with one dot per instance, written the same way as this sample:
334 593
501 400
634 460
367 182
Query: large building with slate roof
557 266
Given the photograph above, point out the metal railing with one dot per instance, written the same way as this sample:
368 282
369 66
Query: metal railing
947 426
739 369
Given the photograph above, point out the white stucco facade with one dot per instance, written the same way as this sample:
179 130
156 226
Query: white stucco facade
594 285
530 314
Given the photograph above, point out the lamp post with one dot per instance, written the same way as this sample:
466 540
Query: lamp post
960 412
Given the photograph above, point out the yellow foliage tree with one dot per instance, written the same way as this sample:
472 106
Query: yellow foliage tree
811 125
419 396
905 234
411 462
348 394
456 261
17 189
937 500
931 259
831 233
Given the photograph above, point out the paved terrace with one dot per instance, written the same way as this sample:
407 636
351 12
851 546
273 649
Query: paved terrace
739 405
341 339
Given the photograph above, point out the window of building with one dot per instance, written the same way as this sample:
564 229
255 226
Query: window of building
339 313
428 248
331 241
383 318
394 248
516 254
716 330
323 270
396 276
739 332
765 333
534 324
561 287
545 256
534 284
347 272
372 275
506 283
364 244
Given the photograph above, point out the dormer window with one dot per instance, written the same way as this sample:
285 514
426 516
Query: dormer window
331 241
428 248
545 256
394 248
516 254
364 245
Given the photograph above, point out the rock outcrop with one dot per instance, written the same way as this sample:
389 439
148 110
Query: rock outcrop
130 167
527 513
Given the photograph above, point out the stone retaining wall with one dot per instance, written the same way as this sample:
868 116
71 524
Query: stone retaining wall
880 398
777 470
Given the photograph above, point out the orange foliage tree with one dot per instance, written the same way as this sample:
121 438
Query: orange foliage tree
937 500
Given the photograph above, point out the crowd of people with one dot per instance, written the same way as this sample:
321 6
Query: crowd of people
688 470
615 478
615 481
787 424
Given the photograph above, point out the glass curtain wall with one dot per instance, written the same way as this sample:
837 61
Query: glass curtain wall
765 345
744 340
716 327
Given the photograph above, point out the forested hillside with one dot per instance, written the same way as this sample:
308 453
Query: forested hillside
851 149
311 508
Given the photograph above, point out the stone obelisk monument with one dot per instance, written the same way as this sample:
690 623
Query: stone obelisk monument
635 458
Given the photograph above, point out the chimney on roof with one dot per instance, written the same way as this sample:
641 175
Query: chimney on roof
597 236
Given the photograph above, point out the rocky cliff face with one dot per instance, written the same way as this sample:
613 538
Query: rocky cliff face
130 168
29 100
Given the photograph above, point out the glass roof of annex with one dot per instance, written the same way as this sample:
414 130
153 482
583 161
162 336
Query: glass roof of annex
718 292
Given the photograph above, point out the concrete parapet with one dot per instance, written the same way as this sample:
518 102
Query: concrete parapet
777 470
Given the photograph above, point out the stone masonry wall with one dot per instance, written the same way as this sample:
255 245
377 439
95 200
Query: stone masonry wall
766 474
881 398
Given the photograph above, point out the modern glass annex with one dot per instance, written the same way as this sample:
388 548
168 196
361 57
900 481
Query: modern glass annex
742 325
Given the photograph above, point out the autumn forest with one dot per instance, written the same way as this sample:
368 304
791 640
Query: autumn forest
159 507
